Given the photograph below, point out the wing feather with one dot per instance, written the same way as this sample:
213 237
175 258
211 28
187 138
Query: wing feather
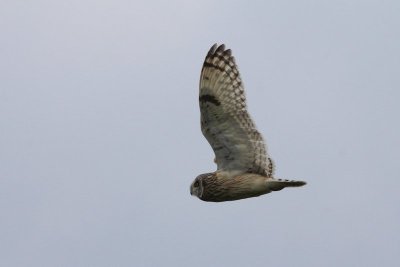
225 122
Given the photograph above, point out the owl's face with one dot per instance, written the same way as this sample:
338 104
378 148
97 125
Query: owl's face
196 188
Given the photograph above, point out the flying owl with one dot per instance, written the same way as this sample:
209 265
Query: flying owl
244 168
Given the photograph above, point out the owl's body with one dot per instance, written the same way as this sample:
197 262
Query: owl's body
223 186
244 168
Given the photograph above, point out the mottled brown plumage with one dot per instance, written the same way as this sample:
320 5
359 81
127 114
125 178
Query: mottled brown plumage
244 168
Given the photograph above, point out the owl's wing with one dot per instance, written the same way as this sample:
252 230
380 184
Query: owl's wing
225 123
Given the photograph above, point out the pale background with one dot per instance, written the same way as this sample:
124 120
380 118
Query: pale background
100 135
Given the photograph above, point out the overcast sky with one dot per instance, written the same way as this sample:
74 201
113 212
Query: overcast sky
100 133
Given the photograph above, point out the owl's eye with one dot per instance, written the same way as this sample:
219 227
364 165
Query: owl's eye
196 184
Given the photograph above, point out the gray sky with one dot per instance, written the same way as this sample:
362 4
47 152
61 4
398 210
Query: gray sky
100 135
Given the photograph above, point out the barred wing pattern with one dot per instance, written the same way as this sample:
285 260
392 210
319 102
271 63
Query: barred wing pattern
225 123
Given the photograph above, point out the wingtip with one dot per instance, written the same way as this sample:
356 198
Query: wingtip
297 183
293 183
219 49
301 183
212 49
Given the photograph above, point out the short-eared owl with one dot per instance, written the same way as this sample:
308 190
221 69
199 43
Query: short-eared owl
244 168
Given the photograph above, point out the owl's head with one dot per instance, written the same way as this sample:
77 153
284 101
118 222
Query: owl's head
198 186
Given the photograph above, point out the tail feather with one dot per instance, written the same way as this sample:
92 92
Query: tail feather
278 184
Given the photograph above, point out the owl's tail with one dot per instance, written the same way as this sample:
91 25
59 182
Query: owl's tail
275 184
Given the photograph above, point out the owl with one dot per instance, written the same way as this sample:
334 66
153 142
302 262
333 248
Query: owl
244 169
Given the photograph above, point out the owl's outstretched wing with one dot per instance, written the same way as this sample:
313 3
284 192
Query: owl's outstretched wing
225 123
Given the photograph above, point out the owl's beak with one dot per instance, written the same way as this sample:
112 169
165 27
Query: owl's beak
191 191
